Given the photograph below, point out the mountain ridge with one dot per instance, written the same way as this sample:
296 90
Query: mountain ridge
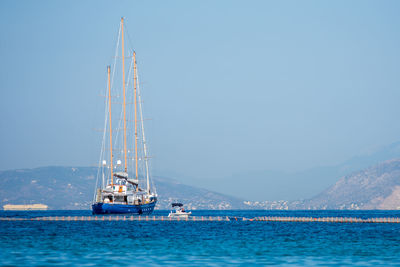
73 188
305 184
375 187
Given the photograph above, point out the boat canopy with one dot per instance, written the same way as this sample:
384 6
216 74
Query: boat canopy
133 181
123 175
177 205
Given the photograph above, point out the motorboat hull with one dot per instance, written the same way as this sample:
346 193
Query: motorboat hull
179 214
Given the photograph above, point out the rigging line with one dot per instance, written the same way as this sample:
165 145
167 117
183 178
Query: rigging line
116 55
115 63
101 150
122 111
119 127
143 135
130 43
142 165
112 79
135 100
124 92
110 127
104 155
130 73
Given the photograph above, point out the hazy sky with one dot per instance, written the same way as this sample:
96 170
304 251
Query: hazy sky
231 86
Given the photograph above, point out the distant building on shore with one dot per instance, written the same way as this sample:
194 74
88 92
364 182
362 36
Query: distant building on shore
25 207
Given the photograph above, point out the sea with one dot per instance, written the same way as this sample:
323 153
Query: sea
208 243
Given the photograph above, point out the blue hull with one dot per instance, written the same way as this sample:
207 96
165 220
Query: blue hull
107 208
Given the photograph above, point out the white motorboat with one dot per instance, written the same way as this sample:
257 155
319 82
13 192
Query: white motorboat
179 211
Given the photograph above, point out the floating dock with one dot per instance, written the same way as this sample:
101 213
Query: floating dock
209 219
25 207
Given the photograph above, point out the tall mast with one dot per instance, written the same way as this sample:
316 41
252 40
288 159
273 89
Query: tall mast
123 85
136 133
109 111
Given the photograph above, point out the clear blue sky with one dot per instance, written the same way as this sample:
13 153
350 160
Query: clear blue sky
231 86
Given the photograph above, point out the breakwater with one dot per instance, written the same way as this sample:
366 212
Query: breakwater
209 219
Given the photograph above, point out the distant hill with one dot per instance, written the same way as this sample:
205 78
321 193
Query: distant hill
73 187
275 185
377 187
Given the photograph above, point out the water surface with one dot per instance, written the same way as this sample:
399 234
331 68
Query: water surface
200 243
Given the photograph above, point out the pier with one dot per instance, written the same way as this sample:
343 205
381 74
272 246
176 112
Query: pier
208 219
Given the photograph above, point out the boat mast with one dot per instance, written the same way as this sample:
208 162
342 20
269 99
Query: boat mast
109 111
123 85
136 133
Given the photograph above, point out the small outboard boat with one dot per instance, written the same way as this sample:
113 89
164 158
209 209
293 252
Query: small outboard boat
179 211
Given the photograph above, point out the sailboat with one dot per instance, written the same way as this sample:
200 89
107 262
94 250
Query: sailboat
123 180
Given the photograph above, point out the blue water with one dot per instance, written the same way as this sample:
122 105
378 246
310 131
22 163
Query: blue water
200 243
